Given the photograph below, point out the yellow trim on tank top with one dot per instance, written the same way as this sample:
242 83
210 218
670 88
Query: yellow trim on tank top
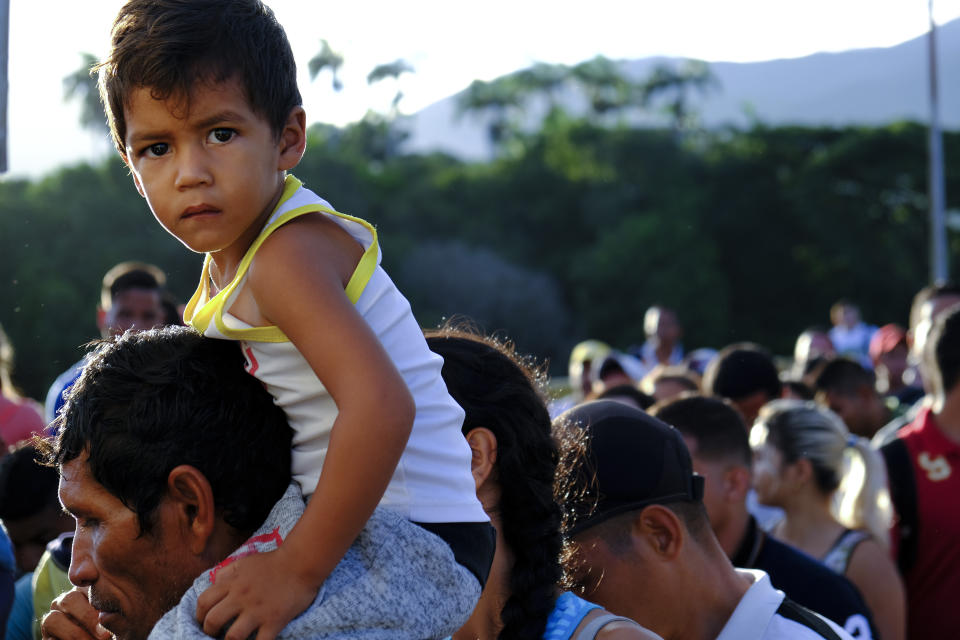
213 308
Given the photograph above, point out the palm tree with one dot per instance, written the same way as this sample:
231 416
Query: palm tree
81 85
393 70
327 58
677 83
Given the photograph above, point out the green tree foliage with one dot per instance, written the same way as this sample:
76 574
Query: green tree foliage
81 86
749 234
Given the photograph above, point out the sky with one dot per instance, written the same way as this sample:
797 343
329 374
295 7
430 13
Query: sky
449 44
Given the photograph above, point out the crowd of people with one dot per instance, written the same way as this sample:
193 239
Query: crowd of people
302 461
683 498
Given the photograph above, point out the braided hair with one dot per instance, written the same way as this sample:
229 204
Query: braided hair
501 391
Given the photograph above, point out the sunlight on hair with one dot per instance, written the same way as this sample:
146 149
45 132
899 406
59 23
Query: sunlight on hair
851 483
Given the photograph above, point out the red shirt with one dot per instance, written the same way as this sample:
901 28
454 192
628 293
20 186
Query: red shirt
933 582
18 421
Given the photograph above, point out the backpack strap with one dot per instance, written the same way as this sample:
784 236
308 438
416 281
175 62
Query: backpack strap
592 628
903 494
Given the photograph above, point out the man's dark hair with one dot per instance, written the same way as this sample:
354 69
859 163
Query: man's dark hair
627 391
843 376
945 345
27 486
714 423
129 275
930 292
740 370
148 402
610 366
169 46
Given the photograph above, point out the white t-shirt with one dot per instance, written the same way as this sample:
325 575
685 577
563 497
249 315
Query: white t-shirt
432 482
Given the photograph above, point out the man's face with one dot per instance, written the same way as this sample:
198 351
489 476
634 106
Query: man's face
663 324
714 482
603 576
31 534
137 309
853 409
895 362
929 313
133 578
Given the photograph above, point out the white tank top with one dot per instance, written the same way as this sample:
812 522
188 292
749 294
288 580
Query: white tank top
432 482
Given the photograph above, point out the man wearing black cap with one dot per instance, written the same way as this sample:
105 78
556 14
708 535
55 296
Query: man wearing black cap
643 544
720 451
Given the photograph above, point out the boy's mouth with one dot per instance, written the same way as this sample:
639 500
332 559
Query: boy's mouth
199 209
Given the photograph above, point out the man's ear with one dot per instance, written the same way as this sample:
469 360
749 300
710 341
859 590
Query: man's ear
661 531
191 496
293 139
737 482
101 318
483 454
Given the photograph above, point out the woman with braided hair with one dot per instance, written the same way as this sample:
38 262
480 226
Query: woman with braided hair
514 458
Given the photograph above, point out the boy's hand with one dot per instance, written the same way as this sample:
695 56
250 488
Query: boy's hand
260 594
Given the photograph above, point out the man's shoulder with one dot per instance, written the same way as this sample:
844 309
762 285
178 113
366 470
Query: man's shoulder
792 621
54 399
766 613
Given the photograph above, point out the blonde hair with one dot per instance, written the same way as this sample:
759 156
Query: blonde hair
845 466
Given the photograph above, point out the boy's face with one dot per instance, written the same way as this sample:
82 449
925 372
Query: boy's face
212 175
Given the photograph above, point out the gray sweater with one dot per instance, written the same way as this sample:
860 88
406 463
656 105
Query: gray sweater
396 581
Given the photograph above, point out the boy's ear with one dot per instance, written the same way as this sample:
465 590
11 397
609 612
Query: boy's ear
293 139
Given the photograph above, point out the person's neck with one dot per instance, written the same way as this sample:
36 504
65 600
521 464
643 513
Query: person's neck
946 411
880 415
662 350
808 524
485 623
714 591
733 531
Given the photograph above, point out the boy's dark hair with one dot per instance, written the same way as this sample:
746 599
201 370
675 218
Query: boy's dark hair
150 401
169 46
502 392
714 423
844 376
27 486
945 344
740 370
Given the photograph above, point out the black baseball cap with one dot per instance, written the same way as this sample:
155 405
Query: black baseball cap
632 460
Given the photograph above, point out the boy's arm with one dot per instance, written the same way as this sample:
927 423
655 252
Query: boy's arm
297 280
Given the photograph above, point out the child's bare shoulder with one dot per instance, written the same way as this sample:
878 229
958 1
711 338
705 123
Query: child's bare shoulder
312 239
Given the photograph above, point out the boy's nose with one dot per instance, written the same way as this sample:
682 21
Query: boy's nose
192 169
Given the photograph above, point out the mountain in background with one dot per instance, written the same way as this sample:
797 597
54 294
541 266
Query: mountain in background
869 87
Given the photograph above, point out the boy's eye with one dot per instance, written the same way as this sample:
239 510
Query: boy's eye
221 135
157 149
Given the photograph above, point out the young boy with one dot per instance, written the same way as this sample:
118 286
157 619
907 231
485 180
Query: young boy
203 105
